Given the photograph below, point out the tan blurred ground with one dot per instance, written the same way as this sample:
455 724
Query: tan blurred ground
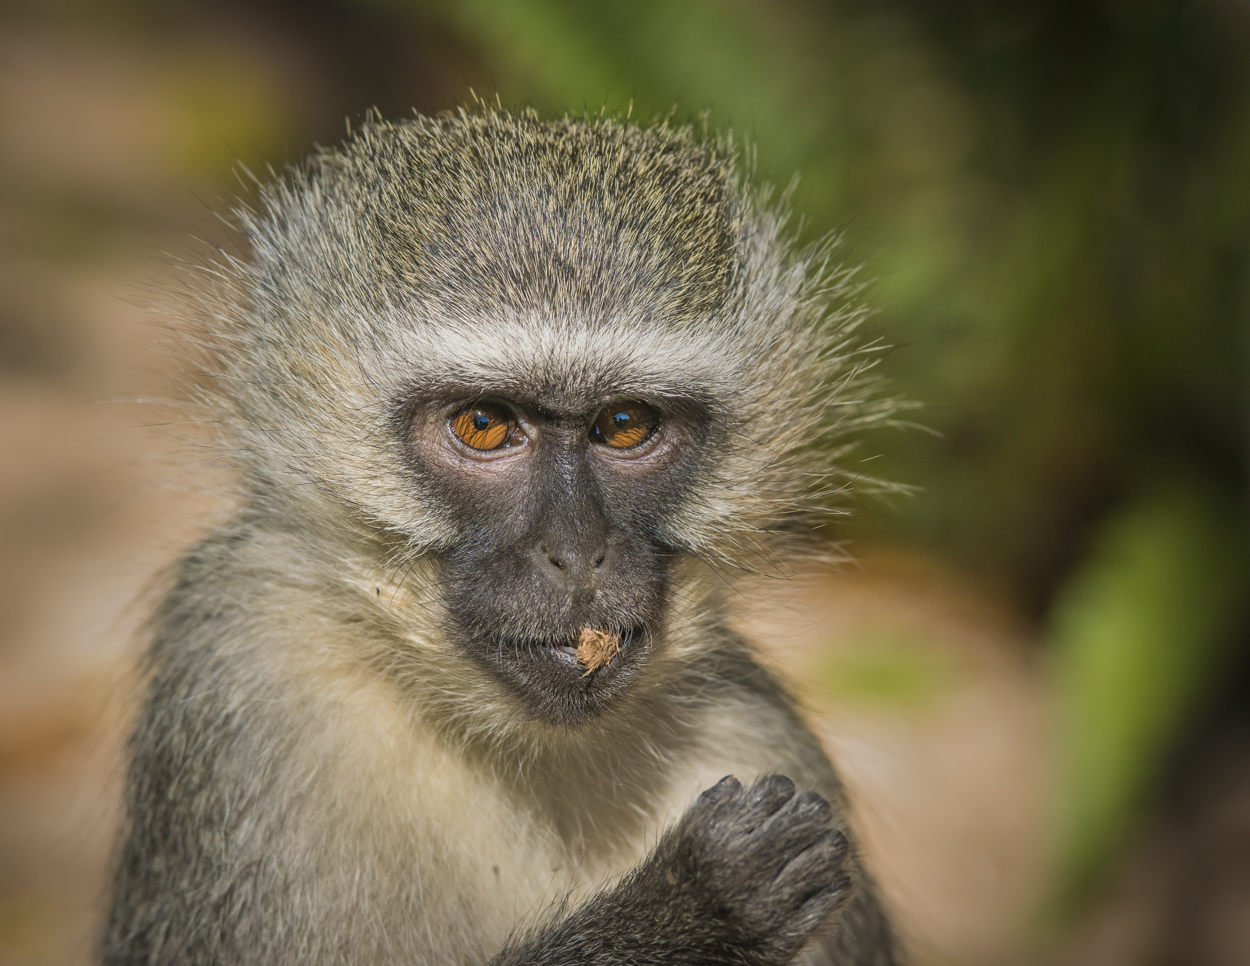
929 692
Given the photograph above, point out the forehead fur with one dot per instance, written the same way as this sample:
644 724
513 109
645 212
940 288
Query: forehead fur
470 215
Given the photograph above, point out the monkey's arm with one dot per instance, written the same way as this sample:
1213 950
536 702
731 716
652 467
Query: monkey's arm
745 877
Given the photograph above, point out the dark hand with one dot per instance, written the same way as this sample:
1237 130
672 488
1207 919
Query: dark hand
763 862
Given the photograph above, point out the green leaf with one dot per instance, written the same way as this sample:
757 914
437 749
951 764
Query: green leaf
1141 632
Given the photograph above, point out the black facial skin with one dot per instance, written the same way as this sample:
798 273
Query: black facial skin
559 532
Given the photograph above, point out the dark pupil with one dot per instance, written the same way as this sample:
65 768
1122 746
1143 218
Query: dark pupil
480 422
620 420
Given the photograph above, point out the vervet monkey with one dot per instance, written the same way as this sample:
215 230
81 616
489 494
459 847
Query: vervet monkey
458 684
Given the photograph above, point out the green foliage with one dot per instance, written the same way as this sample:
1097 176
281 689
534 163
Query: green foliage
890 670
1142 630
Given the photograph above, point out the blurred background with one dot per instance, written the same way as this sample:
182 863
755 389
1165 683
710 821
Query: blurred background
1037 675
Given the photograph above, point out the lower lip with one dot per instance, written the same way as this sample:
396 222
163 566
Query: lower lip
568 655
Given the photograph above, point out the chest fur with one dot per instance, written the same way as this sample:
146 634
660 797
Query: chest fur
503 859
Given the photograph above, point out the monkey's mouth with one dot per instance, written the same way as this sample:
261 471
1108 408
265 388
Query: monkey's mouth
594 649
568 679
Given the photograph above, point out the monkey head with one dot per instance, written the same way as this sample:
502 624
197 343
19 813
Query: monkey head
549 360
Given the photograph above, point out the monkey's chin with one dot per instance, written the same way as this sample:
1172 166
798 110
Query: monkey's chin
551 682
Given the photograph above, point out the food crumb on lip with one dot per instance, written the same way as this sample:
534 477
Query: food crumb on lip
595 648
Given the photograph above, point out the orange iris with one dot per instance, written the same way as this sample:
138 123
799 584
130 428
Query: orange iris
624 425
483 426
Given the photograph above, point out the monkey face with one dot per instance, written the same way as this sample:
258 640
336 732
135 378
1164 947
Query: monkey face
547 361
561 506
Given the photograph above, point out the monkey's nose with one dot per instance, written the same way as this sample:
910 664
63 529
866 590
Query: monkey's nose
571 566
561 559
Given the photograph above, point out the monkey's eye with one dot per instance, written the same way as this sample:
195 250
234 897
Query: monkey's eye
624 425
483 426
